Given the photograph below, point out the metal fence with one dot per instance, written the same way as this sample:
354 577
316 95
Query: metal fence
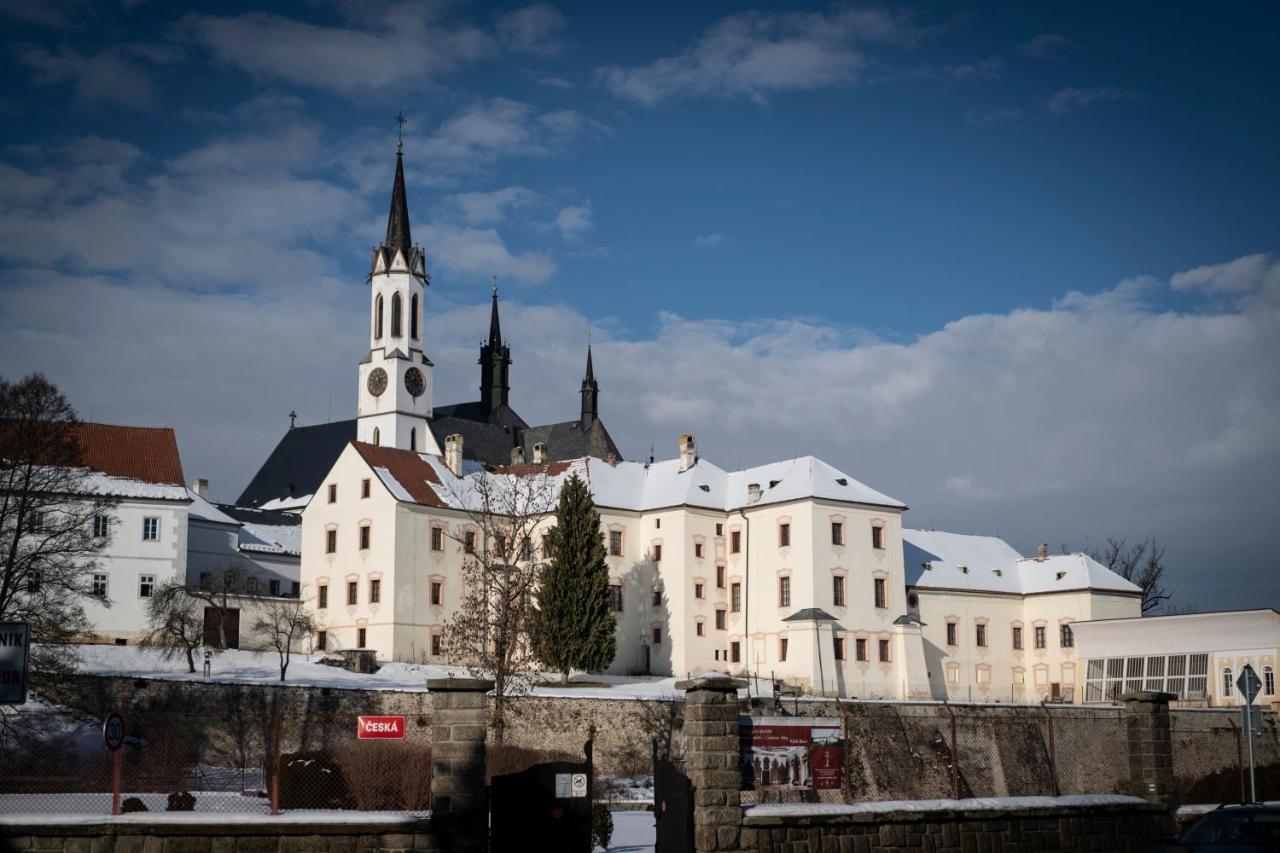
1210 758
55 761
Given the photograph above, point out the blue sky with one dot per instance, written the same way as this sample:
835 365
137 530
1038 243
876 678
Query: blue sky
1014 265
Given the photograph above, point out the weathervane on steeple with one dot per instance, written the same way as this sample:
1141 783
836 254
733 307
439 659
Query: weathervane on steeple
400 120
495 285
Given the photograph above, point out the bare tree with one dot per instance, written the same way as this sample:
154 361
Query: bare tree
490 631
222 593
175 620
1141 563
54 521
284 623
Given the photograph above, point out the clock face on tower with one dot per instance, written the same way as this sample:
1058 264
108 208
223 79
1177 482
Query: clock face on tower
377 381
414 382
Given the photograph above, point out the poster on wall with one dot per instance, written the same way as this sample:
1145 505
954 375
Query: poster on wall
791 752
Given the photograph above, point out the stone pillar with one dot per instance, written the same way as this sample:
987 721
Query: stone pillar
713 760
458 724
1150 746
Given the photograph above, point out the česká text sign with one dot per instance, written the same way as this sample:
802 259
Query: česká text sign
1249 684
380 728
15 641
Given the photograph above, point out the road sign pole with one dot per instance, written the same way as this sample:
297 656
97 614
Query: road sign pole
1253 785
1249 684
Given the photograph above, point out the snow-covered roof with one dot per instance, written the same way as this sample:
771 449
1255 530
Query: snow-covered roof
271 538
97 483
286 504
934 559
202 510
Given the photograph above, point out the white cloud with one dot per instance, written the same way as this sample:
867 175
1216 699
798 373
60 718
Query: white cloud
480 253
752 55
493 207
988 67
532 29
574 221
1070 99
1239 276
709 241
105 78
1045 46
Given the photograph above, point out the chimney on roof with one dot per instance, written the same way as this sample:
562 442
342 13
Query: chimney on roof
611 458
688 452
201 487
517 456
1042 553
539 453
453 454
753 492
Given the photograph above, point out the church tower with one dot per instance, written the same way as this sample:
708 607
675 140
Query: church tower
394 404
590 395
495 365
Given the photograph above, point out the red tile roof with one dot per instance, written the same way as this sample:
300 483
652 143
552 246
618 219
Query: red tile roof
149 454
408 467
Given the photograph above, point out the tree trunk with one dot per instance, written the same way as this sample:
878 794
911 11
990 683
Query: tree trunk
564 677
191 662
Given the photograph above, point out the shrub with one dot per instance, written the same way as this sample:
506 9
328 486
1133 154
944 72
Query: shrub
387 776
181 801
132 804
311 780
601 825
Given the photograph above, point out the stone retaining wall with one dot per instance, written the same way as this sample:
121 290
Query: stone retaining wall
223 837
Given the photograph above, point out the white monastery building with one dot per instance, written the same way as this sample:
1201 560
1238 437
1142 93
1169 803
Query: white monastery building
793 569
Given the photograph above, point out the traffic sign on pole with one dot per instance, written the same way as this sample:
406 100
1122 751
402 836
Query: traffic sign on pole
1249 684
15 642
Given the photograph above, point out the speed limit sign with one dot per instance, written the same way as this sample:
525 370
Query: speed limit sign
113 731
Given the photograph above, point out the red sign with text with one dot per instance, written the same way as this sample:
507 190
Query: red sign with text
379 728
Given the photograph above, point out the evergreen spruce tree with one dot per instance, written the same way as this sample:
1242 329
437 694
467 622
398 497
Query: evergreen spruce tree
573 627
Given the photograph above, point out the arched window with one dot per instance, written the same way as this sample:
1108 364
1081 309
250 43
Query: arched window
413 439
377 436
1227 687
377 318
1268 681
413 317
396 310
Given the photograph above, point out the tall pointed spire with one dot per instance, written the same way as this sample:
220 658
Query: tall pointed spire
495 362
398 219
590 394
495 326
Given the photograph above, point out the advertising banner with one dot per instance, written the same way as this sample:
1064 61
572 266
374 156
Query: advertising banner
792 752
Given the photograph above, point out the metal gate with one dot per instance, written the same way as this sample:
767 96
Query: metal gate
547 807
672 807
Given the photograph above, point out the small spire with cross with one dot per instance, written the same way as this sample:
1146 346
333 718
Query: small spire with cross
400 120
293 419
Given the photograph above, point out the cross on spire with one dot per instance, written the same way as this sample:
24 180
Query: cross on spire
400 120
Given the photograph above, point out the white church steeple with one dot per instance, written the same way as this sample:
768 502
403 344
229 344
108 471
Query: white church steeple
394 403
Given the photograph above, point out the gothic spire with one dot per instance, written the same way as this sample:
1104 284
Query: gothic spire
495 363
398 219
495 327
590 394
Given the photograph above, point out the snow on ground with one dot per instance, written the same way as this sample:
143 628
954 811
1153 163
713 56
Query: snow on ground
628 789
633 832
972 804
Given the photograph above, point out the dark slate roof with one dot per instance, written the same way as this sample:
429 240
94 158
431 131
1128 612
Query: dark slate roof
810 614
250 515
299 463
503 415
569 440
398 219
481 441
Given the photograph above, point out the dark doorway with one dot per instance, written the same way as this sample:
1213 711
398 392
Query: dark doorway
213 633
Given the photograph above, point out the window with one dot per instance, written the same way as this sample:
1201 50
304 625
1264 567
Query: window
984 674
1040 637
150 528
206 580
526 549
838 643
719 618
322 640
657 598
657 524
101 526
146 585
884 651
437 593
735 541
719 577
362 637
615 543
333 493
735 598
274 587
251 586
719 529
657 636
364 537
36 521
980 635
99 585
953 674
377 436
1268 681
397 309
784 535
500 544
860 649
352 592
782 649
330 541
697 590
546 546
377 317
469 542
837 533
1067 638
1228 685
784 592
735 652
953 634
413 438
837 590
375 591
880 593
615 597
436 645
877 537
322 596
413 316
1017 637
1019 675
437 538
364 488
699 628
657 552
697 550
